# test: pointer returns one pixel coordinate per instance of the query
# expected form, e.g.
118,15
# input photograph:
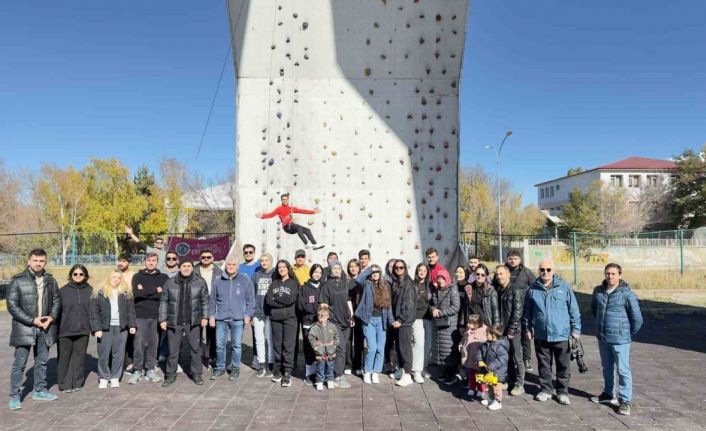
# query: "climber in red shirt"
284,212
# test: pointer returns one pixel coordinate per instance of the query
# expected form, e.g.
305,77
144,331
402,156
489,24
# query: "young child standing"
473,338
323,337
493,356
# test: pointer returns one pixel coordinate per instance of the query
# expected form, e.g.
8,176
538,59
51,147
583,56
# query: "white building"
636,174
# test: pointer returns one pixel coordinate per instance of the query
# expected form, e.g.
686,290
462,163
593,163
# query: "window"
546,192
557,187
616,180
652,180
634,181
551,191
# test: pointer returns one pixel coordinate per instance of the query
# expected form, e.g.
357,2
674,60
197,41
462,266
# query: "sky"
578,83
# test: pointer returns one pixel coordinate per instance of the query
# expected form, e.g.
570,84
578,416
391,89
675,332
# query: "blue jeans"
375,335
236,337
324,370
612,355
41,357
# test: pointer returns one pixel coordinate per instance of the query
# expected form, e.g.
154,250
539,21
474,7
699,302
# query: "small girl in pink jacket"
473,338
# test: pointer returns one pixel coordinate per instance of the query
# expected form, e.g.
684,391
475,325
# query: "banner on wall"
189,248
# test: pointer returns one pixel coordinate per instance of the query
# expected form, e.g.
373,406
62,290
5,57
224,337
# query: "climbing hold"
305,25
367,71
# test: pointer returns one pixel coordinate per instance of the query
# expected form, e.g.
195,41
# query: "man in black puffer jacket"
34,304
512,301
523,278
183,311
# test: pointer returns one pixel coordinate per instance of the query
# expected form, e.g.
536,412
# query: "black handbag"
442,322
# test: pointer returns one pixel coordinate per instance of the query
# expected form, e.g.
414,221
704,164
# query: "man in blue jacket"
618,318
231,307
551,318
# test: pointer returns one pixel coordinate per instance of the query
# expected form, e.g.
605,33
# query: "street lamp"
497,192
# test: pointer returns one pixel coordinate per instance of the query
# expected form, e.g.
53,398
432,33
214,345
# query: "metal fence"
676,257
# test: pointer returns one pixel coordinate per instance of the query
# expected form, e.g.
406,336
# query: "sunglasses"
206,257
78,274
399,267
376,272
480,274
248,252
173,258
547,270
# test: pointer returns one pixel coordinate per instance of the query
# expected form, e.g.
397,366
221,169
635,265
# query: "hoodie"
281,299
308,302
261,282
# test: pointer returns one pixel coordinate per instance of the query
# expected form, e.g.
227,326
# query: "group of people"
358,318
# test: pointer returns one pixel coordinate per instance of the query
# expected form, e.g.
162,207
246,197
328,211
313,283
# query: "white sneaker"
367,378
375,378
542,396
495,406
417,375
102,383
405,380
484,401
319,386
331,384
114,383
179,370
347,372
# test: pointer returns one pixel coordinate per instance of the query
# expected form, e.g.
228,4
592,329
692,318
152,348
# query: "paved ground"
667,365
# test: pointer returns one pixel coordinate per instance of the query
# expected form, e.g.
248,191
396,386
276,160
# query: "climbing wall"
352,107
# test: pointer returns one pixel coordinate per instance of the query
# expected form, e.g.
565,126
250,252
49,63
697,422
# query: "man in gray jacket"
34,304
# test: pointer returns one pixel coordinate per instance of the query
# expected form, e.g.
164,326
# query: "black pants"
354,349
309,354
175,337
526,349
209,350
390,349
284,334
303,232
72,357
559,352
404,348
145,347
340,363
296,343
128,350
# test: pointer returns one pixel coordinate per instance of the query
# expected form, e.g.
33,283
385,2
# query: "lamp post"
497,191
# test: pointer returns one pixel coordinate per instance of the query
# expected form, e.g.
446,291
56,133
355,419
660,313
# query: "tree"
61,193
112,200
689,189
604,208
479,210
175,179
211,199
574,171
9,198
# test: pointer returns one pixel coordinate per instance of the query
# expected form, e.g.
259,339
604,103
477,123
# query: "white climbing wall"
352,107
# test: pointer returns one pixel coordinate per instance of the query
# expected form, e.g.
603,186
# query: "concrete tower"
352,107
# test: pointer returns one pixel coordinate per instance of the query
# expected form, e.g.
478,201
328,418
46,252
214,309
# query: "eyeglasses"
249,252
547,270
78,274
397,268
206,257
480,274
173,258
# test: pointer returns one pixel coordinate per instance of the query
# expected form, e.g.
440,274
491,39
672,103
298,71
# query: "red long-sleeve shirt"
284,212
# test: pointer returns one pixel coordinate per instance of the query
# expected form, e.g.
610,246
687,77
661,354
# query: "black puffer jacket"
464,301
488,308
22,304
512,302
75,309
404,301
521,277
100,312
169,304
443,339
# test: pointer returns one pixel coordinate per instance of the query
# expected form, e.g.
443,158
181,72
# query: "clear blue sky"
579,83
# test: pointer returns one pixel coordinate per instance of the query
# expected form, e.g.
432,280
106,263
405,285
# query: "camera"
577,355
